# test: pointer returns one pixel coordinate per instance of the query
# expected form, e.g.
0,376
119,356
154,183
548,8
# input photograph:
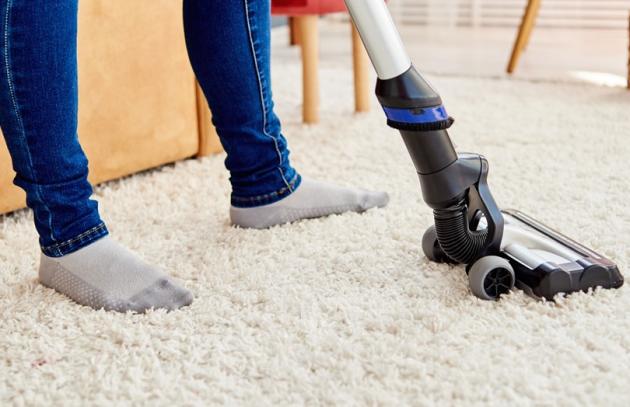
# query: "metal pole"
380,37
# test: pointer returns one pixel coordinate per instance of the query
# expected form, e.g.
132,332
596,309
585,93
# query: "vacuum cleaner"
501,249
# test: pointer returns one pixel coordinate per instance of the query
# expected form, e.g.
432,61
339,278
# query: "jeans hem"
266,199
76,243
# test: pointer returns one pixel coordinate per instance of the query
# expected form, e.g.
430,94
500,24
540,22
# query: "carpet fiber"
346,309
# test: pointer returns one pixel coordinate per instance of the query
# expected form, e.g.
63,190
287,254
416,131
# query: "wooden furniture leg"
307,26
294,34
361,73
208,139
524,33
530,27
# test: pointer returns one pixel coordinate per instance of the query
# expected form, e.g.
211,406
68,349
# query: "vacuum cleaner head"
534,258
547,263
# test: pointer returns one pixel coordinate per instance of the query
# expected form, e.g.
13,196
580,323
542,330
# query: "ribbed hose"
455,237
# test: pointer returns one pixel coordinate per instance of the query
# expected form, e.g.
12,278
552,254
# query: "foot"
312,199
108,276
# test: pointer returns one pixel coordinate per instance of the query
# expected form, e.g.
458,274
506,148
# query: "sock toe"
374,199
184,299
163,294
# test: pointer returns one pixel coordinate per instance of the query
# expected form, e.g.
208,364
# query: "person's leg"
38,116
229,48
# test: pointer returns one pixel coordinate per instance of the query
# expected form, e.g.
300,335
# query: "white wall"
554,13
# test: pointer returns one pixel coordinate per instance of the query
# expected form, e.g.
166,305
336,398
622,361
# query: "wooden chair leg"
524,33
530,27
307,26
294,34
208,138
361,73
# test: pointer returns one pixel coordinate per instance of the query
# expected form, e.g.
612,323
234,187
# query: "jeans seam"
262,97
269,195
18,116
79,237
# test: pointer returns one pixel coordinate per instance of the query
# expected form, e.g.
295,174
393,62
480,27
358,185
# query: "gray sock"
312,199
107,275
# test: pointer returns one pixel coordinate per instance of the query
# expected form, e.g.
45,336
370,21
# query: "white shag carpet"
345,310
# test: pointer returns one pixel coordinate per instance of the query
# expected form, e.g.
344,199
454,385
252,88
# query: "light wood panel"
138,106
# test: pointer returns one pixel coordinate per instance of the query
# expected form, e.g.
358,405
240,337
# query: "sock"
312,199
107,275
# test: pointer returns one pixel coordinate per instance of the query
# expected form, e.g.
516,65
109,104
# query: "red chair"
304,15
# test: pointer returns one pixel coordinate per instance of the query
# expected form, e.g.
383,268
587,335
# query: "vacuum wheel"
490,277
431,247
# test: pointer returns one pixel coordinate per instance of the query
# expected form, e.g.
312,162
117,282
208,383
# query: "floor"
345,310
597,56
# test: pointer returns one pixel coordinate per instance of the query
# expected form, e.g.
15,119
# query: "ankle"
77,242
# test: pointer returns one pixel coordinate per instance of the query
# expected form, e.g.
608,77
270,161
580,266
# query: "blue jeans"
228,45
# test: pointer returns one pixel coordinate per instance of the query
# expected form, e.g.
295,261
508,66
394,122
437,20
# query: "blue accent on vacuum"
416,115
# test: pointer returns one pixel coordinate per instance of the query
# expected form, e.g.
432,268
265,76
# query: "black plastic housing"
430,151
409,90
453,185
